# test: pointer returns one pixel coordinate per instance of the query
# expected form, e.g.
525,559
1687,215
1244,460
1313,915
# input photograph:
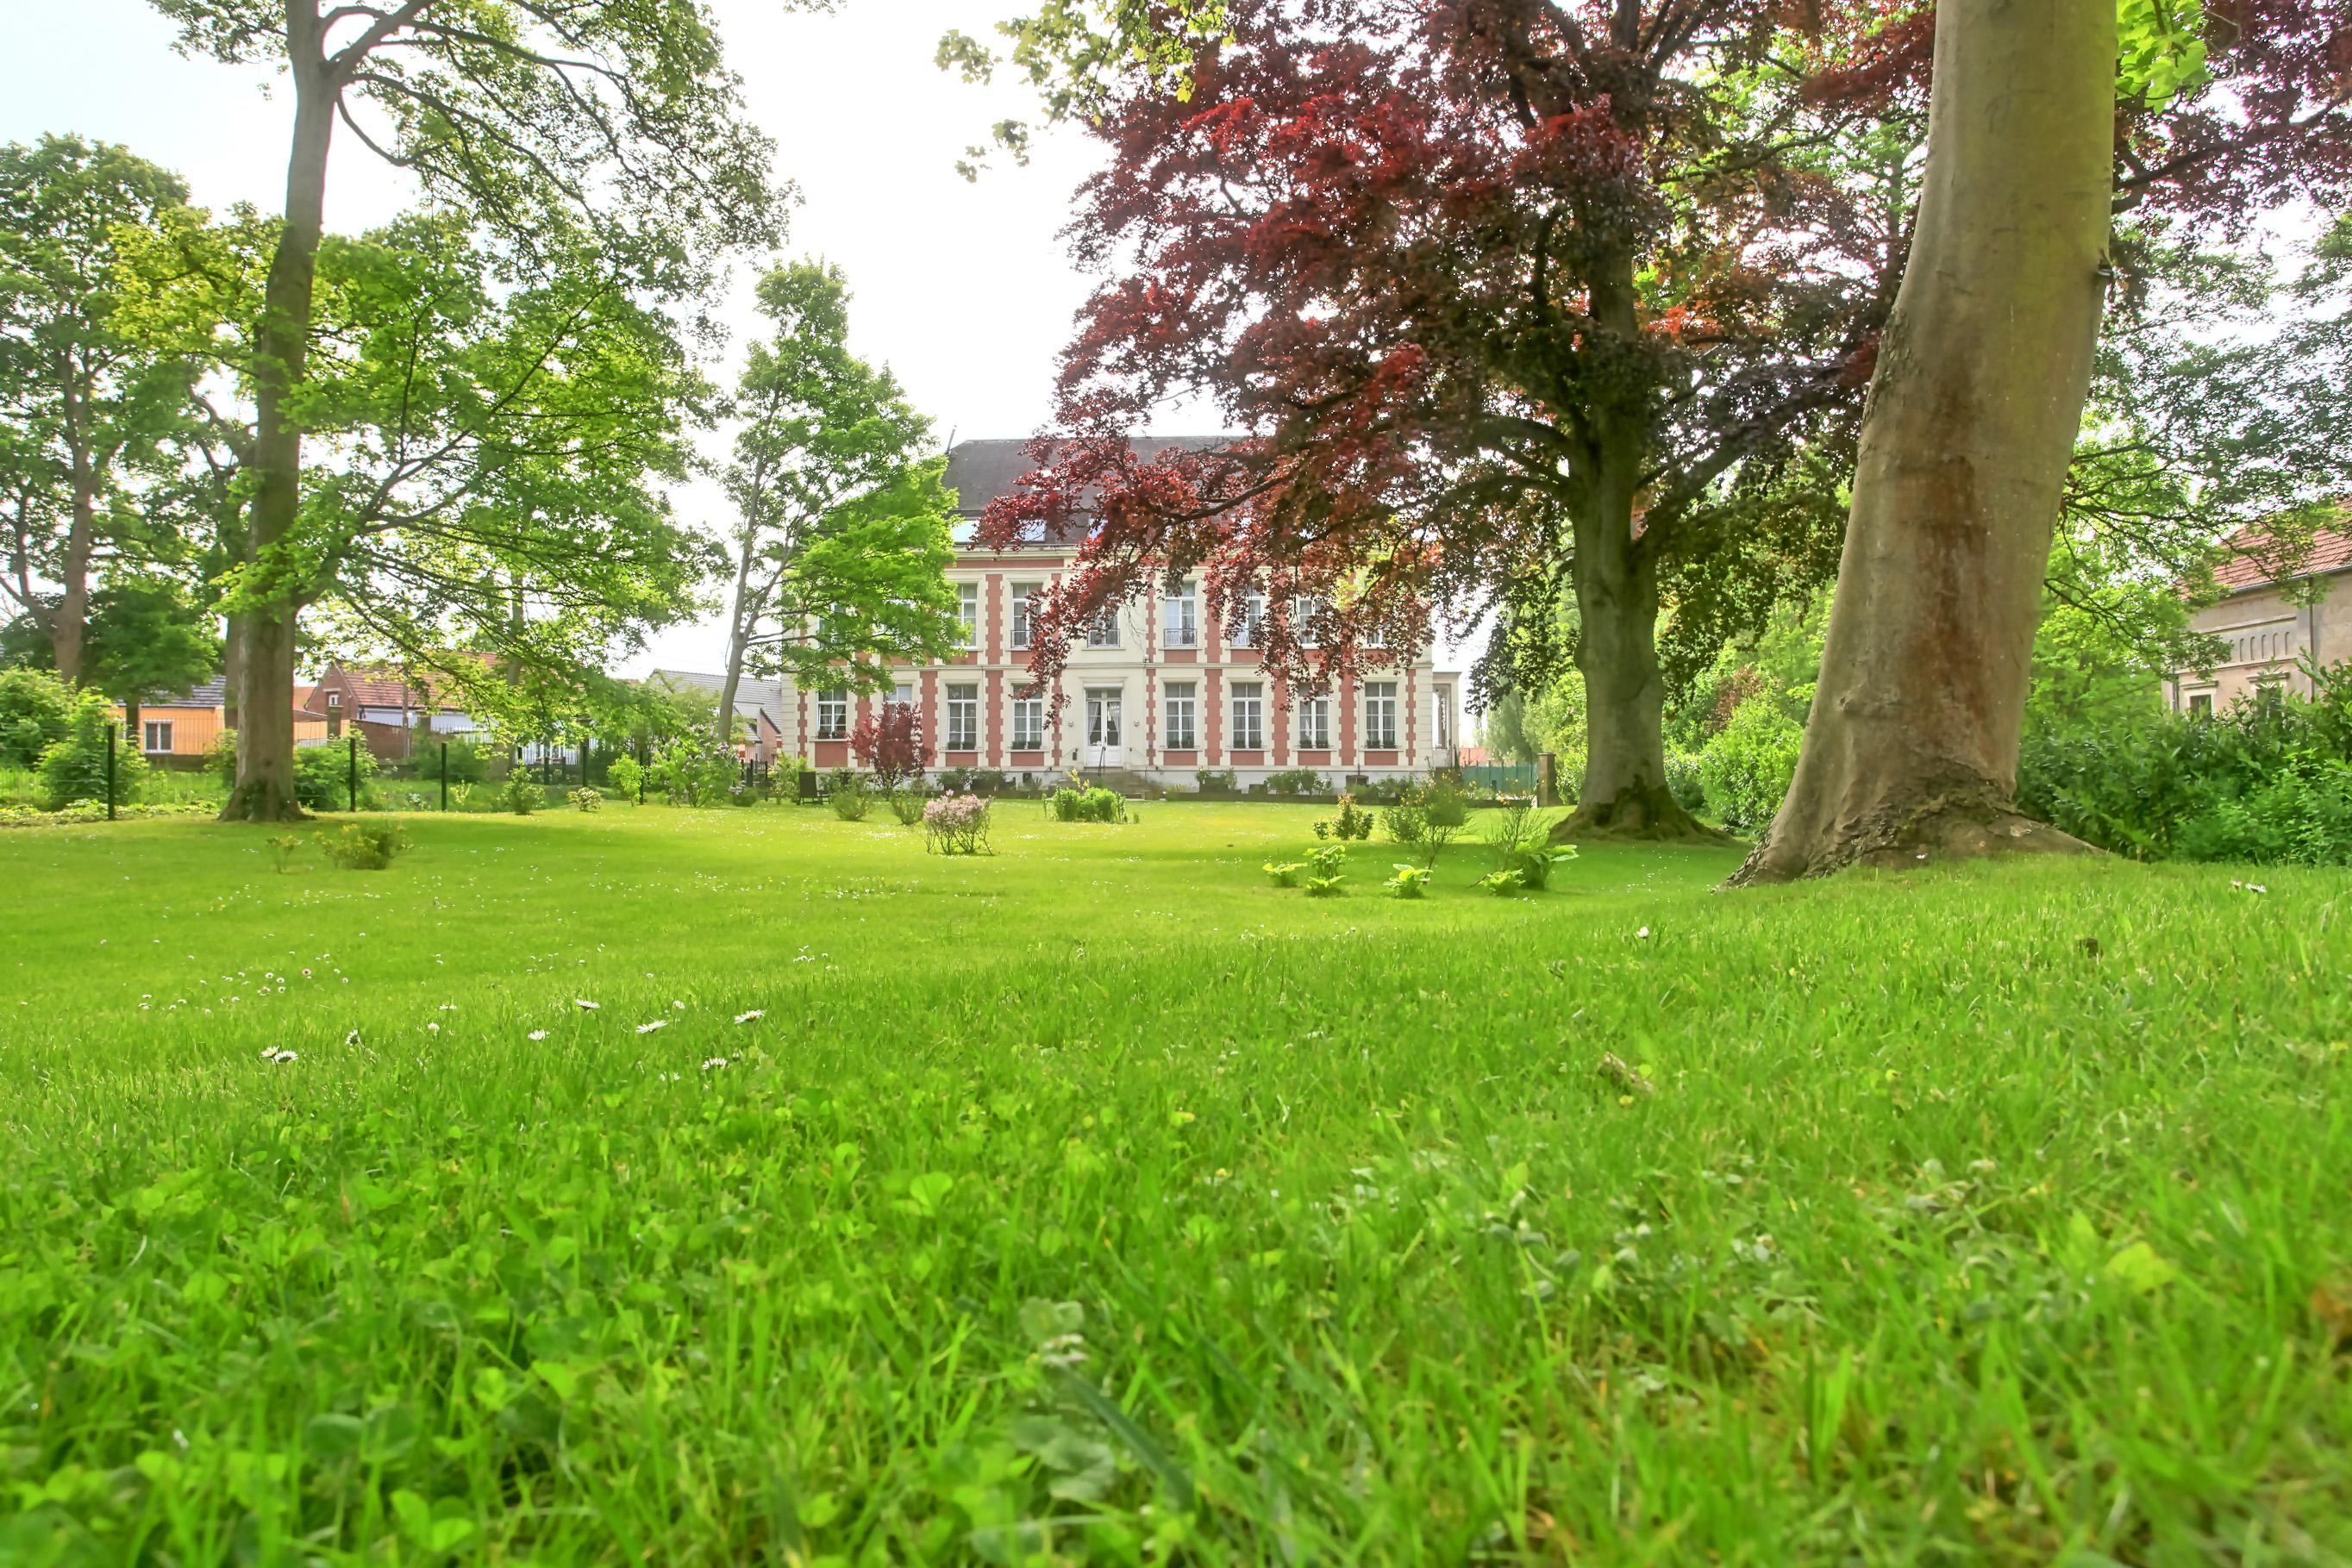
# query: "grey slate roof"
752,696
210,695
980,470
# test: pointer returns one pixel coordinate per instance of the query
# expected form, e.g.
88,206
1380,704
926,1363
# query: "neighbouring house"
183,724
2270,637
1157,691
386,706
759,710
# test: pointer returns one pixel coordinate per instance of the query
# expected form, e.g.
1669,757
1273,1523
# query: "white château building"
1157,691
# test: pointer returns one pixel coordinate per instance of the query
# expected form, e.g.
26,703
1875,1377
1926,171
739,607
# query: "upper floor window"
1304,609
833,715
963,718
1380,715
1103,631
2200,704
968,614
1251,627
1022,594
1180,619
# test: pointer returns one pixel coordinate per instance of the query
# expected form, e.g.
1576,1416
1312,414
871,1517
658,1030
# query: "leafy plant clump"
956,825
1326,886
323,775
36,710
73,766
365,846
587,798
1095,804
848,796
283,849
1409,881
907,806
1294,781
1351,824
1284,874
1502,883
520,795
1328,859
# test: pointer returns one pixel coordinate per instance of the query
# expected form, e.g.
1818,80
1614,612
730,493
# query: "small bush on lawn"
976,780
587,798
692,771
955,825
1094,805
848,796
1217,781
365,846
1502,883
1293,781
1515,834
627,775
282,850
323,775
1326,886
1352,822
74,767
907,806
1407,821
1286,873
521,796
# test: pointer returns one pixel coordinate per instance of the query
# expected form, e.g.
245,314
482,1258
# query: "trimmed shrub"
1293,781
520,795
322,775
34,708
955,825
1093,805
1744,771
365,846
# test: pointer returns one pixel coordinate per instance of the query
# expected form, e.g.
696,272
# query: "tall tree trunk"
1911,751
739,635
264,752
69,631
1625,793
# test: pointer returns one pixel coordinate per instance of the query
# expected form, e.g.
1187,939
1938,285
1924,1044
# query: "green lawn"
1098,1201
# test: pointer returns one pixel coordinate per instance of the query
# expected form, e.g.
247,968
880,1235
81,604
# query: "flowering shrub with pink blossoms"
955,825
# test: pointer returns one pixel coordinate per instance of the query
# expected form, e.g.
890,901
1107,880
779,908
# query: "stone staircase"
1126,780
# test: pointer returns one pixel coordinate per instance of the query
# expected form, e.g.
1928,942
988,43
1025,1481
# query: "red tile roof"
2254,561
383,686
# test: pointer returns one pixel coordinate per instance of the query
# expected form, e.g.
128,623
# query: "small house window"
1103,633
1252,624
2200,704
158,734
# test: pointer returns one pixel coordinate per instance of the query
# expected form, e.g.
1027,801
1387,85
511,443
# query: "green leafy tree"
148,634
74,766
609,129
34,708
840,540
82,402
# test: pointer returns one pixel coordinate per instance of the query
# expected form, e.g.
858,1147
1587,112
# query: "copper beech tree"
1510,299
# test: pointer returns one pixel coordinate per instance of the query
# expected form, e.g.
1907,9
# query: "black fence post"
109,773
352,781
445,774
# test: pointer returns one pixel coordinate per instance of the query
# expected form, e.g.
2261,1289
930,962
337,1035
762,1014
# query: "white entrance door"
1103,745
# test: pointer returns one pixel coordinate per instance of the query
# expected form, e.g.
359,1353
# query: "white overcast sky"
965,290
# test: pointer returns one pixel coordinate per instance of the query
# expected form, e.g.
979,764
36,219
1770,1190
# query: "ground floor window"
1315,724
2201,703
963,718
1249,715
158,736
1380,715
1029,724
1180,717
833,715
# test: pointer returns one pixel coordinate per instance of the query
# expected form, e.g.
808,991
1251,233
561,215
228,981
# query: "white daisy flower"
539,1034
714,1063
584,1004
649,1028
1643,935
754,1013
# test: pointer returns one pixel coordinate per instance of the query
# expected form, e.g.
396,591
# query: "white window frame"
1445,718
1304,608
968,612
1180,619
963,718
833,714
1023,592
1315,723
1184,716
1252,625
1249,717
1102,632
1380,710
1028,724
151,727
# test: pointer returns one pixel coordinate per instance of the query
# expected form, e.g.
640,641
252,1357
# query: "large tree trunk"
1625,793
265,751
1911,751
69,630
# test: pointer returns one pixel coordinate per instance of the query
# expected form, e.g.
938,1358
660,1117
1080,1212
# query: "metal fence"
1502,777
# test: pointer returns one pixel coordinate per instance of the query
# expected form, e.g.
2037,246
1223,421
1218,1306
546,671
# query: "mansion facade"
2271,634
1156,690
